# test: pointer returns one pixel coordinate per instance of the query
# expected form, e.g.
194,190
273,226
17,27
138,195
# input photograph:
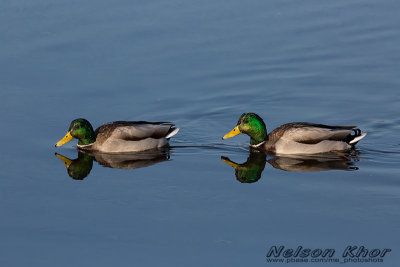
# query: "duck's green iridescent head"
252,125
80,129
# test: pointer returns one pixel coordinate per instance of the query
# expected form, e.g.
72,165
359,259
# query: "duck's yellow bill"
68,137
66,160
232,133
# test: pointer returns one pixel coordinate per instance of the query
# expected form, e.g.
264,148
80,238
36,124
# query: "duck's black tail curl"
353,139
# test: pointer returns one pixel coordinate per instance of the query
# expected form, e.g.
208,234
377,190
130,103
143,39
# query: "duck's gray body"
310,138
131,136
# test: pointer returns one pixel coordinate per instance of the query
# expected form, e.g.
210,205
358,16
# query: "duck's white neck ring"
258,145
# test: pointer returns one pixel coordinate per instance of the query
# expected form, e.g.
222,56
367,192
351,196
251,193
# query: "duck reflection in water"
80,167
251,170
77,168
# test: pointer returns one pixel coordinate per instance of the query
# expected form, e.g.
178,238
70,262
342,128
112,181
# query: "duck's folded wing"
308,133
133,131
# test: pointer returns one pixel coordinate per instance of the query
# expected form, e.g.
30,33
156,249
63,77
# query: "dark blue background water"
200,64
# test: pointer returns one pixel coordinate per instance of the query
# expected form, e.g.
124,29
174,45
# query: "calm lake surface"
200,64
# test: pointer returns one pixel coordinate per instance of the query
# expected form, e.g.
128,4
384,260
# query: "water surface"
200,64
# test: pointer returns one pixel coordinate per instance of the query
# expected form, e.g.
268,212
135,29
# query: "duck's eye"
245,120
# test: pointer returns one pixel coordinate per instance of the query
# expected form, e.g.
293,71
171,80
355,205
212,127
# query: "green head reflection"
78,168
251,170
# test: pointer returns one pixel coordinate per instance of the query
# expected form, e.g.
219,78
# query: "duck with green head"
119,136
296,137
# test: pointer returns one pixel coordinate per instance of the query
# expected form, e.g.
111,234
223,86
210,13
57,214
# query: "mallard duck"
119,136
296,137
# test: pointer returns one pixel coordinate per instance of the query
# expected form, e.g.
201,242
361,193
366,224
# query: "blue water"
200,64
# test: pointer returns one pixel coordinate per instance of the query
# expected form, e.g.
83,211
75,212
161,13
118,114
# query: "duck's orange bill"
232,133
68,137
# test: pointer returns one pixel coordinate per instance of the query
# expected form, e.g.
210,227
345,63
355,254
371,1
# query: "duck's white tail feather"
358,138
174,132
